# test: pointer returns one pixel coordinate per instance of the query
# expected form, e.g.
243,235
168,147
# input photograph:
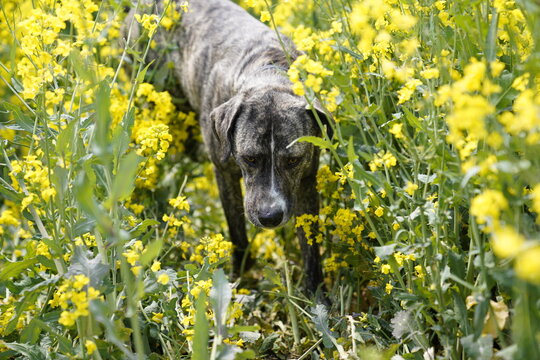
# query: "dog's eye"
251,160
293,161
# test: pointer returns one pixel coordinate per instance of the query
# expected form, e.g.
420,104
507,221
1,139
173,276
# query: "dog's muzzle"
271,216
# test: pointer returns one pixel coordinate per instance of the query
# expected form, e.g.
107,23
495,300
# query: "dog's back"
221,46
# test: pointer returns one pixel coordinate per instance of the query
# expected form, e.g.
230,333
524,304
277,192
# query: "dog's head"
259,130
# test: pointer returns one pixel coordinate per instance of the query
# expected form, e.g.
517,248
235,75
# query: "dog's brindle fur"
232,70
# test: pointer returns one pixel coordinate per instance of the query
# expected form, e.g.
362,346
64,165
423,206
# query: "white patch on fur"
277,198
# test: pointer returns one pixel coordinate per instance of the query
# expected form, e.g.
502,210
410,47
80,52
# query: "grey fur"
231,69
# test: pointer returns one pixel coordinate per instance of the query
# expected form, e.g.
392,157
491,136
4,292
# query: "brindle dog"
232,69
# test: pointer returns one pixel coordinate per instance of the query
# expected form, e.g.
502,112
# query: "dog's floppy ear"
325,118
223,119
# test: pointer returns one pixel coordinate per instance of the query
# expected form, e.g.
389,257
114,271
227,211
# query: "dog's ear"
223,120
325,118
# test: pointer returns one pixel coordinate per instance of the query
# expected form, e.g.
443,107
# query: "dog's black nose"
271,217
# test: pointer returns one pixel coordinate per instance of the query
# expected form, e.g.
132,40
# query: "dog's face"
262,138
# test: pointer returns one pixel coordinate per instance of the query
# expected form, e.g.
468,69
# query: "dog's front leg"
230,194
308,203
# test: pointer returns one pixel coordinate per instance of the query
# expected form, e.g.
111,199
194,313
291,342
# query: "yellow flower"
396,226
67,318
156,266
397,131
163,279
157,317
528,265
346,173
330,98
385,269
520,83
203,285
536,200
488,205
496,68
136,270
149,22
432,73
80,281
387,159
399,257
379,212
506,242
131,256
410,188
153,141
419,271
90,347
179,203
214,247
298,88
388,288
405,93
265,16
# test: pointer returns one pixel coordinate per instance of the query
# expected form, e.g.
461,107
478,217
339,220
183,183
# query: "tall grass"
113,244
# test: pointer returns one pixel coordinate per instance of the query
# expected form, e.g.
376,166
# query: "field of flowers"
113,244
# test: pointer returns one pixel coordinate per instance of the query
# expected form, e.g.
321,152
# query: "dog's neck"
273,67
266,76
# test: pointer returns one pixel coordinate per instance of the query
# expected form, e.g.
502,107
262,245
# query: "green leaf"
317,141
413,120
9,193
30,334
384,251
239,328
320,319
23,121
20,307
220,298
101,144
65,345
141,228
94,269
83,226
268,343
351,155
64,141
142,74
81,68
271,275
152,251
84,193
124,181
101,314
200,337
245,355
33,352
227,352
12,269
350,52
480,349
491,50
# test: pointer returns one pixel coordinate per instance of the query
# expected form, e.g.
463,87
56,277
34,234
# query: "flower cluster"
32,178
213,248
133,255
73,297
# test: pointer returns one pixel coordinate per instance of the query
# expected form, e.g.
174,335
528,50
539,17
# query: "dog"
232,70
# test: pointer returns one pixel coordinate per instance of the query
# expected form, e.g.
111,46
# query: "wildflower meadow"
113,243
